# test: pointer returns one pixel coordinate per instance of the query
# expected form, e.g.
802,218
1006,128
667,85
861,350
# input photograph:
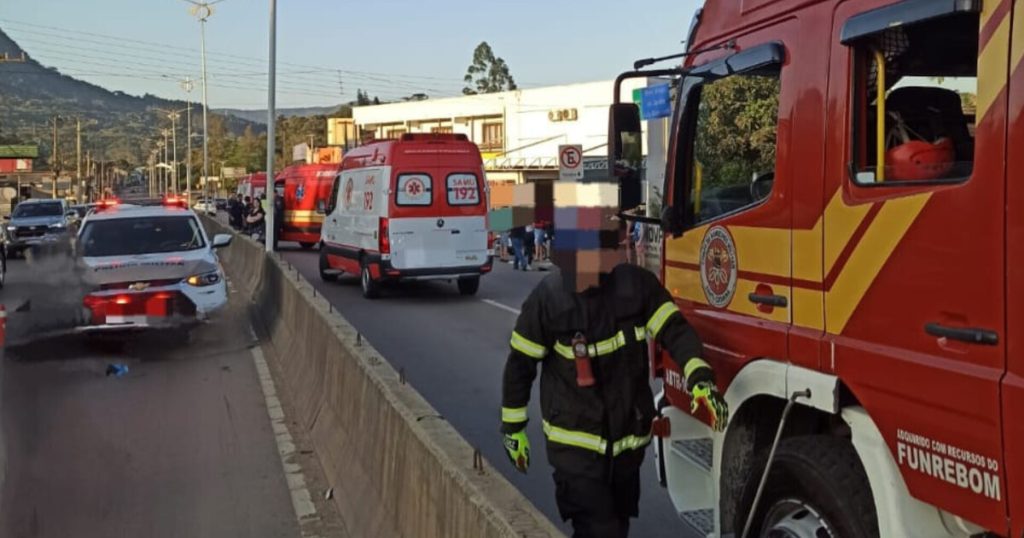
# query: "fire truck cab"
844,228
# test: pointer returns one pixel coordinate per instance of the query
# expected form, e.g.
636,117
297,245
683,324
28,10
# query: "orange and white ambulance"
414,208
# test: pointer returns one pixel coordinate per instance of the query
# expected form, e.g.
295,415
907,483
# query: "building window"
443,129
493,136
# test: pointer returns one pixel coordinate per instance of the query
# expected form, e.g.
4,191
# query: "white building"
519,131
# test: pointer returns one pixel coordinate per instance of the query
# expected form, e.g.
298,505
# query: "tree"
487,73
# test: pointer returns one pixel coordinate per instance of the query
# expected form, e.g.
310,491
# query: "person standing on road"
586,325
518,236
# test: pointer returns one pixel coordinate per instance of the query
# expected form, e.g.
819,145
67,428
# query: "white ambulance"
414,208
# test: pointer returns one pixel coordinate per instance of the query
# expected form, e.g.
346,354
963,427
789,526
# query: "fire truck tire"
306,245
371,288
816,487
469,285
325,267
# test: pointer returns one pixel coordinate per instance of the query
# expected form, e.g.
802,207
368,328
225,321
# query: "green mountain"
260,116
115,126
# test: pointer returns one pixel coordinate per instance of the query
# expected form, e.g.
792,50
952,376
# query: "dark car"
221,203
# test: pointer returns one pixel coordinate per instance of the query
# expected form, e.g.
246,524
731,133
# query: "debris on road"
117,370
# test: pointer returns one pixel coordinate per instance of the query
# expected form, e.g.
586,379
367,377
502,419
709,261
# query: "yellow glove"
705,394
517,446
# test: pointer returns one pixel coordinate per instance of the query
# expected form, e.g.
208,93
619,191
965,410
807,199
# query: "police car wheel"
371,289
817,488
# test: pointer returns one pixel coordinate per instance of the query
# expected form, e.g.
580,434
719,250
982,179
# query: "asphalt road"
180,446
453,350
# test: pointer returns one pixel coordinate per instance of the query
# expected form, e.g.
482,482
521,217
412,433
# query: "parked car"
221,203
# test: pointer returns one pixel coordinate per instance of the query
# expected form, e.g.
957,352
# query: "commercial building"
519,131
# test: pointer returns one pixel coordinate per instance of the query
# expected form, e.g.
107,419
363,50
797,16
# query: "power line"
234,57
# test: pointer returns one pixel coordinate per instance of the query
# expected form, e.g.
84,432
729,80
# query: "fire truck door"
1013,383
731,270
914,294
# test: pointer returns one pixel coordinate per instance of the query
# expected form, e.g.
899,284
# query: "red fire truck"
253,185
306,189
844,228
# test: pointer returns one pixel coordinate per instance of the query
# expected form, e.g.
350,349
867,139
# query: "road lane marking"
501,306
302,502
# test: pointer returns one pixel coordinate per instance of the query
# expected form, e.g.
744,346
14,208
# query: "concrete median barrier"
398,468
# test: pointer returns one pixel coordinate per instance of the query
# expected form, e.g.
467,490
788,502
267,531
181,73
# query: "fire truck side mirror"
625,152
671,221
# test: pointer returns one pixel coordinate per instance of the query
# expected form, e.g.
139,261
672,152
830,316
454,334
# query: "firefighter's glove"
517,446
705,394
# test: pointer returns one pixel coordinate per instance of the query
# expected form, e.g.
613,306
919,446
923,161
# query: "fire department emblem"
718,268
300,192
349,187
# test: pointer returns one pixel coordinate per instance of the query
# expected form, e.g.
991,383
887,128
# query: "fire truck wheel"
371,288
468,286
816,488
325,267
306,245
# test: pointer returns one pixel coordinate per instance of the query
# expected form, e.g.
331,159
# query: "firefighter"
586,326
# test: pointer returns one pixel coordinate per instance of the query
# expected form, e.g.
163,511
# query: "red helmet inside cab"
909,158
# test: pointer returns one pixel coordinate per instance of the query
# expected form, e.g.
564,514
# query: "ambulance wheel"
468,286
817,488
325,267
371,288
306,245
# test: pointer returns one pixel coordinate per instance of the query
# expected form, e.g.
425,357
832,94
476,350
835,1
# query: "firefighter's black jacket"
585,426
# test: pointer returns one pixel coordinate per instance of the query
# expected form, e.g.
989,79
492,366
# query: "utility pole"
268,239
78,160
188,86
174,152
163,188
203,11
54,163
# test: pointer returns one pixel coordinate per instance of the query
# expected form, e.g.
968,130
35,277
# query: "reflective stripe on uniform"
596,443
577,439
659,318
527,347
693,365
604,347
630,442
513,414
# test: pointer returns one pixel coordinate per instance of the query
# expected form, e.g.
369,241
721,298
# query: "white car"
206,205
149,267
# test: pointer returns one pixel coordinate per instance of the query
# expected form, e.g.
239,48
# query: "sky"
328,49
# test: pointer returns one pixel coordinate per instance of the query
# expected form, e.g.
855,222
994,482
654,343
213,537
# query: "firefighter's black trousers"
599,508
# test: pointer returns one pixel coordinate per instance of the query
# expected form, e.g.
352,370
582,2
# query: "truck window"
734,143
914,95
463,189
414,190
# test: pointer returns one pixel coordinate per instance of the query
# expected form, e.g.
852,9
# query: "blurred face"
587,232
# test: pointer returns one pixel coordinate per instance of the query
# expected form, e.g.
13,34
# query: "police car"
149,267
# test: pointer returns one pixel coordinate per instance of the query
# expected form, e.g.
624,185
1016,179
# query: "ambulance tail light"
383,236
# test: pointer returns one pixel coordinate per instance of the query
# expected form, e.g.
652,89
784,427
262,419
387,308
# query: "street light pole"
187,86
271,118
174,151
203,11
